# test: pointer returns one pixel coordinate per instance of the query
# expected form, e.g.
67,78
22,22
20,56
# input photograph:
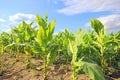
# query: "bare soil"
13,68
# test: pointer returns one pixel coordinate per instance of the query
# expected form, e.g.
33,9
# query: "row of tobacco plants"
88,51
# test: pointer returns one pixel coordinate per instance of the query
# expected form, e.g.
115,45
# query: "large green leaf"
79,37
51,57
97,26
41,36
21,26
27,36
50,29
91,69
73,49
41,22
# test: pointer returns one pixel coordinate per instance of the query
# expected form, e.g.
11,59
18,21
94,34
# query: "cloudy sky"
71,14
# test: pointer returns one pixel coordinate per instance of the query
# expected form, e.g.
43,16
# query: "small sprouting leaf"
17,40
35,50
27,53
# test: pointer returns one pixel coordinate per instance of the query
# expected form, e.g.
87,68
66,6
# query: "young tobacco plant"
44,38
27,58
81,63
4,41
105,44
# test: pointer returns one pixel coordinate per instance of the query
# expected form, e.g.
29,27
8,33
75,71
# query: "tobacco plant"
82,63
21,36
115,59
104,44
5,39
44,38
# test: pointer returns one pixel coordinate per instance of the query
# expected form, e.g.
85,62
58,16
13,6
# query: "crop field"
31,52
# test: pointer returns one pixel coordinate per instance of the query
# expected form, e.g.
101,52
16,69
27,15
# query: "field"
15,69
35,53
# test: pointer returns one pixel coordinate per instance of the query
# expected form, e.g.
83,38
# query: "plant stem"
45,67
103,62
74,77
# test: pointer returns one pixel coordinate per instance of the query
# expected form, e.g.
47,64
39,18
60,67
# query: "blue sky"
71,14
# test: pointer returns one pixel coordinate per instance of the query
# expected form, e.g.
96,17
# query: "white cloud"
2,20
111,22
4,27
81,6
15,20
21,16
